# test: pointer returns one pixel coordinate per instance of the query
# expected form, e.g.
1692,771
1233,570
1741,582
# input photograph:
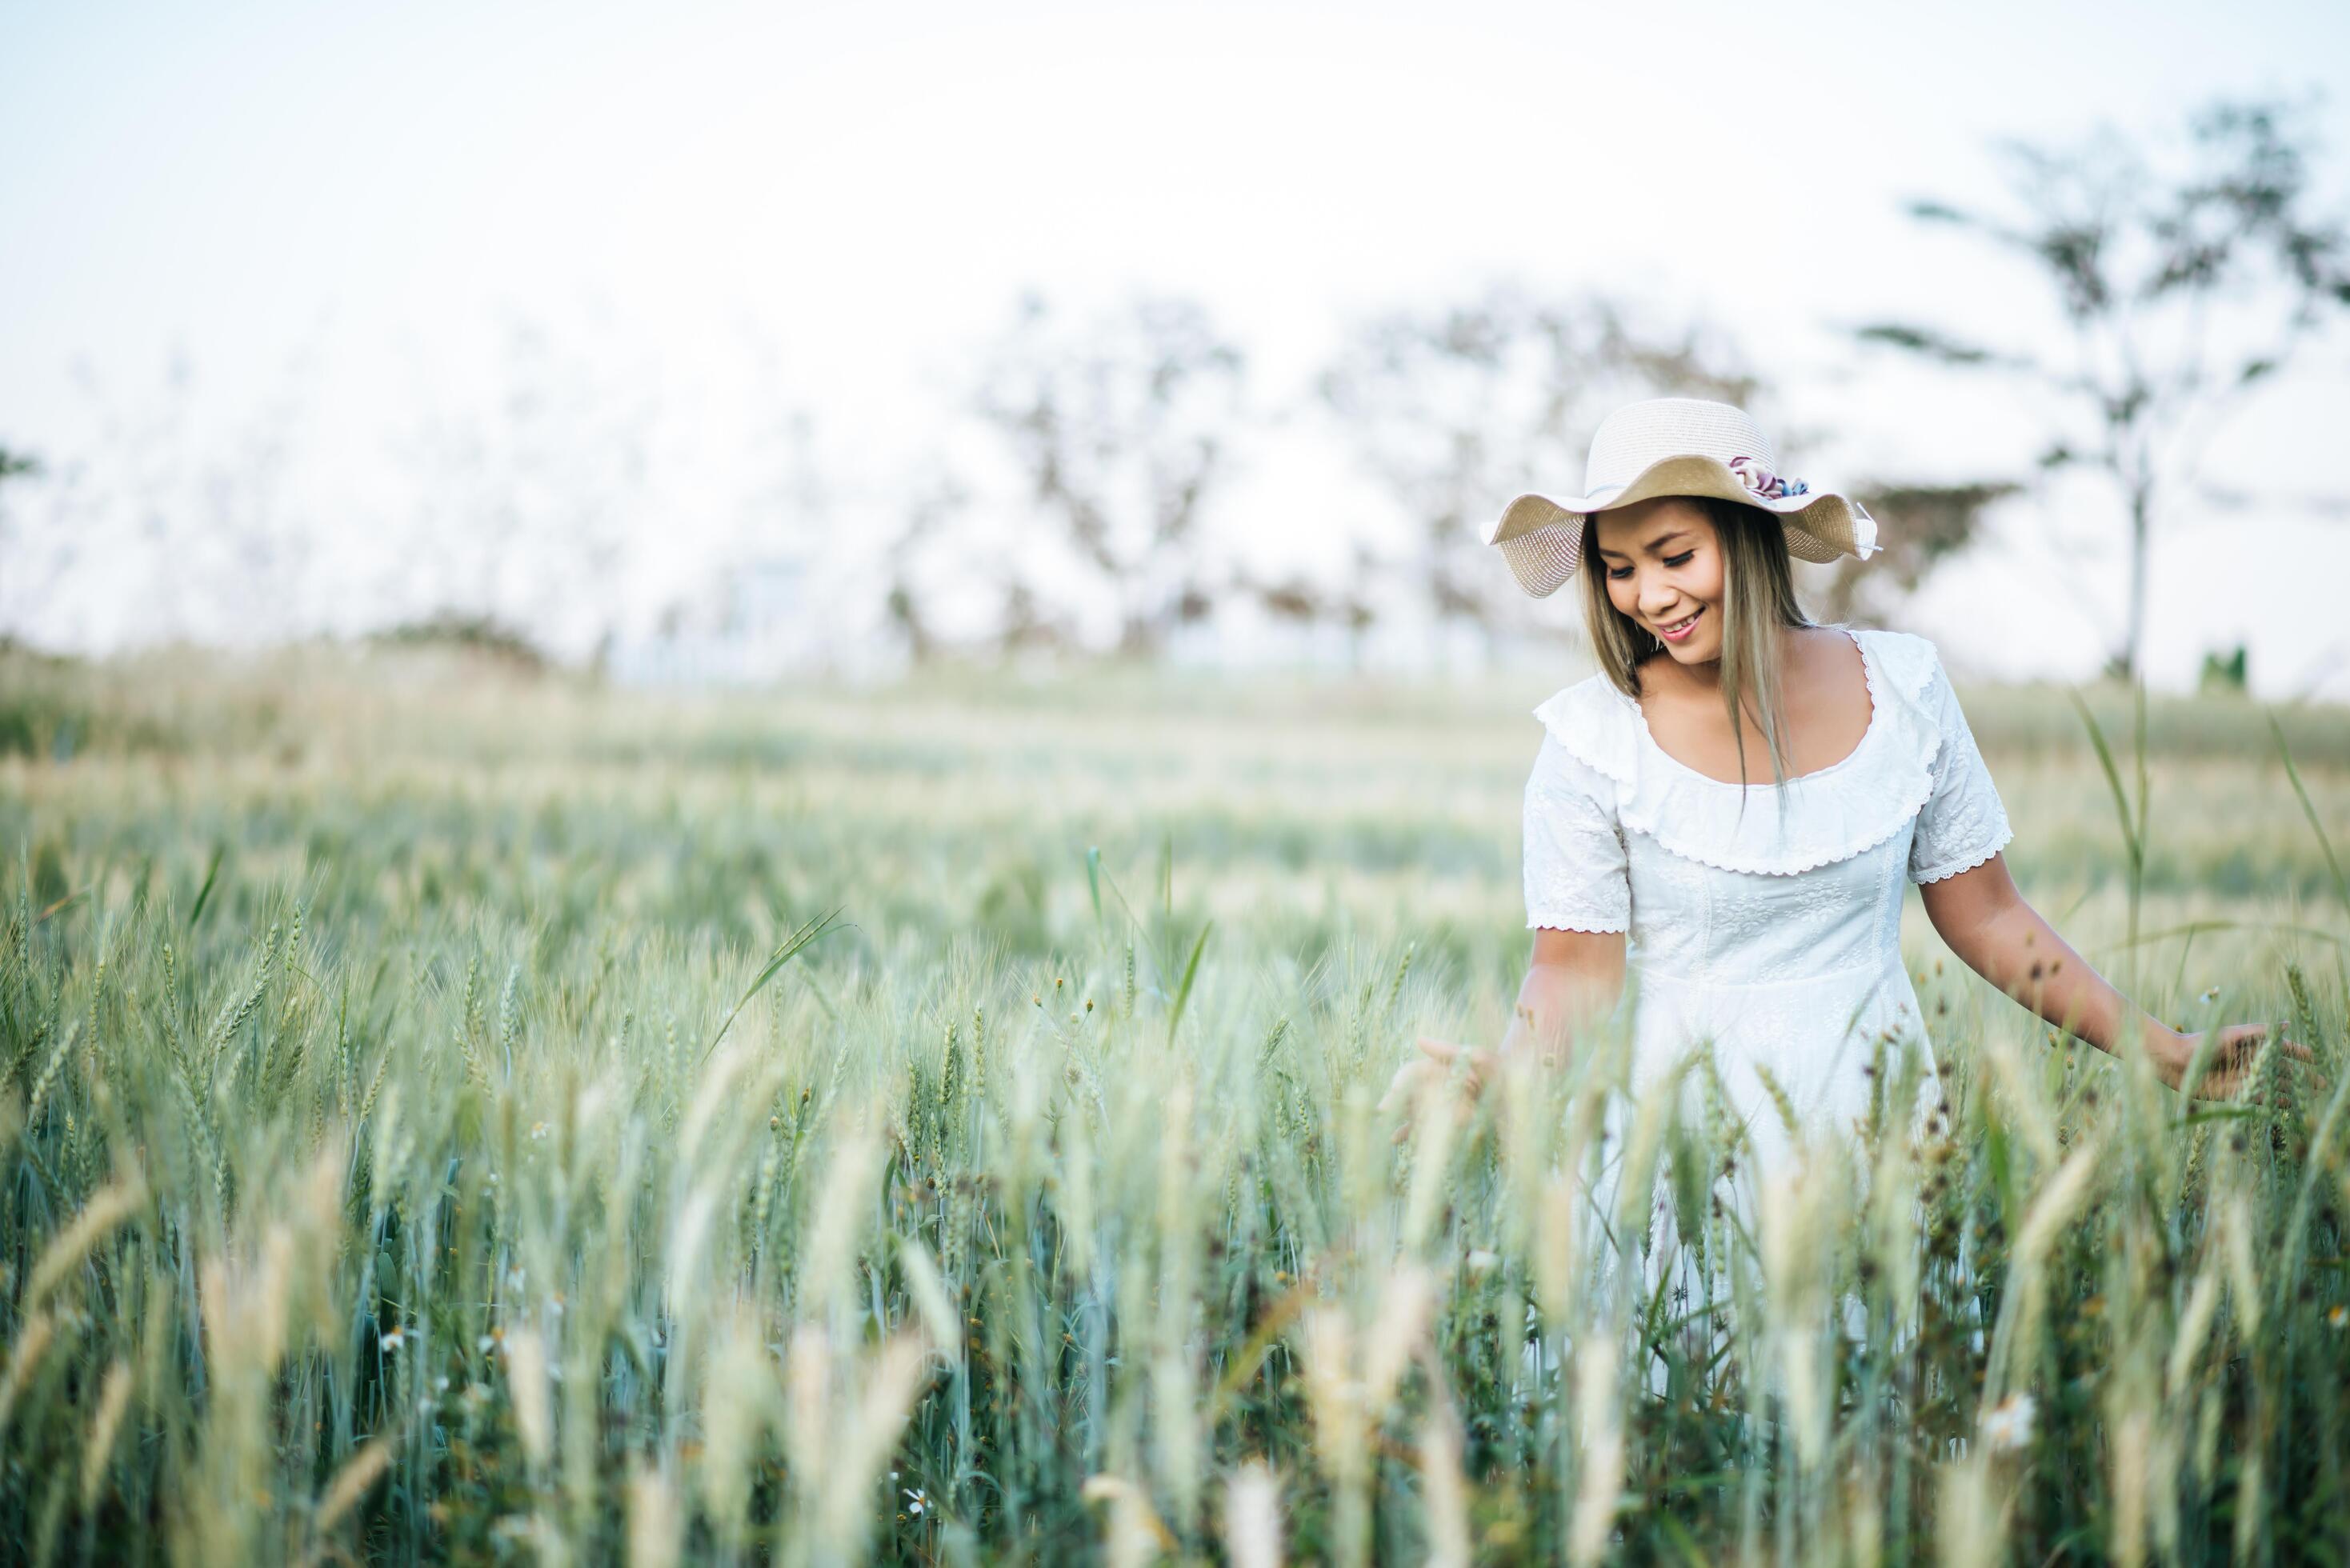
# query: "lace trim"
1950,869
1845,809
1593,928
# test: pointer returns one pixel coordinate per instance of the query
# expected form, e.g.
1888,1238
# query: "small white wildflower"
483,1344
916,1501
893,1478
1481,1261
392,1341
2211,996
2008,1426
538,1132
441,1384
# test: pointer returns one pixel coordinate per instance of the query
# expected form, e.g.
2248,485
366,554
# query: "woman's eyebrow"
1661,540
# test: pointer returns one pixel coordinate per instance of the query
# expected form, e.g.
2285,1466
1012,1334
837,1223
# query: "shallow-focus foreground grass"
395,1170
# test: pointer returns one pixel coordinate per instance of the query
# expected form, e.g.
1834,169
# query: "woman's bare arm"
1573,978
1987,922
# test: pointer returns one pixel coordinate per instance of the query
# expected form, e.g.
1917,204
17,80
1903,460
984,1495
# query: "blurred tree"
1299,600
2227,672
164,526
2185,289
1457,410
15,568
528,502
906,615
912,563
1918,527
1122,431
476,635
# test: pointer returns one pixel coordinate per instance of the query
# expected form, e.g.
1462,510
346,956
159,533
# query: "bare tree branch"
2141,265
1124,431
1458,409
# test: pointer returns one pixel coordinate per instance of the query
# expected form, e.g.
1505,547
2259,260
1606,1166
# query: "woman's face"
1663,562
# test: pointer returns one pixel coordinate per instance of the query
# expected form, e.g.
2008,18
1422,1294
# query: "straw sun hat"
1676,446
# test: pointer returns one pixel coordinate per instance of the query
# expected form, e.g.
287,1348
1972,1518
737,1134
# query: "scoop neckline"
1876,718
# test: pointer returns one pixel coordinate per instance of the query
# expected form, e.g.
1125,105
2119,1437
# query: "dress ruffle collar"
1840,811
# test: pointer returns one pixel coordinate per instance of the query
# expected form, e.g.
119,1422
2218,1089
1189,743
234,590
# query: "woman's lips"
1681,630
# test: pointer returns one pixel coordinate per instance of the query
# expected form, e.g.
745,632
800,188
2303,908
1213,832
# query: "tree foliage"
1459,408
1920,526
1123,432
2184,287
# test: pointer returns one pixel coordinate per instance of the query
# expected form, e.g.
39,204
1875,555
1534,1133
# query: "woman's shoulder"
1910,663
1592,723
1906,670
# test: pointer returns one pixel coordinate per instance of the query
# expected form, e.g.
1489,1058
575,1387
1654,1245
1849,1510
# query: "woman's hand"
1433,1066
1572,978
2233,1054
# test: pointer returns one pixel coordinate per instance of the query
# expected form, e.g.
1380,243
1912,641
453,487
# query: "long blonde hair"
1758,599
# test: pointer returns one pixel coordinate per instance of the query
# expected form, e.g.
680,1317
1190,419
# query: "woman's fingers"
1451,1054
1403,1091
1434,1065
1405,1085
2232,1072
2243,1045
1480,1058
2252,1036
2239,1045
2230,1055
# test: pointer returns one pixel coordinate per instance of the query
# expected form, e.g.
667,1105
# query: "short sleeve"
1574,863
1962,823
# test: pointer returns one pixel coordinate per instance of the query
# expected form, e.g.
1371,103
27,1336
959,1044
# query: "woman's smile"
1674,631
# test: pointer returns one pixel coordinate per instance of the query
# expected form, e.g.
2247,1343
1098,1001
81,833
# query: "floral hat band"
1677,446
1757,477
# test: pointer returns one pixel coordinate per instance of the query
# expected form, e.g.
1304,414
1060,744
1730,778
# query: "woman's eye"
1681,560
1620,573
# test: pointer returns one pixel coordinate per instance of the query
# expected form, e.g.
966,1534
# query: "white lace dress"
1772,935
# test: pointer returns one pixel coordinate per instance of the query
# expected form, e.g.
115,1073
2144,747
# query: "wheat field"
453,1114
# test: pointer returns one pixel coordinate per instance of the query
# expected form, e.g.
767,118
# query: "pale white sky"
330,217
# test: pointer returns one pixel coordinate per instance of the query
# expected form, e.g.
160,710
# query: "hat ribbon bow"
1765,483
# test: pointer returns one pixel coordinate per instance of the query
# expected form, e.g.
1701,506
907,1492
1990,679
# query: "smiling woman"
1754,928
1707,579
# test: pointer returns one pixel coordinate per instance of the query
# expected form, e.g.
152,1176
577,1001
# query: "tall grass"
411,1192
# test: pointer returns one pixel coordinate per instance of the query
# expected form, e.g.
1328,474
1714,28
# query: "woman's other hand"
1572,978
1433,1066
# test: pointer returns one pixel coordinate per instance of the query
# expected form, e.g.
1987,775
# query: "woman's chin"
1693,650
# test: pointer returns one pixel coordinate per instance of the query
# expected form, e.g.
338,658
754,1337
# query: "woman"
1725,814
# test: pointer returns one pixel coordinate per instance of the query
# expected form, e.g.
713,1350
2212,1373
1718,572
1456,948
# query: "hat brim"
1542,536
